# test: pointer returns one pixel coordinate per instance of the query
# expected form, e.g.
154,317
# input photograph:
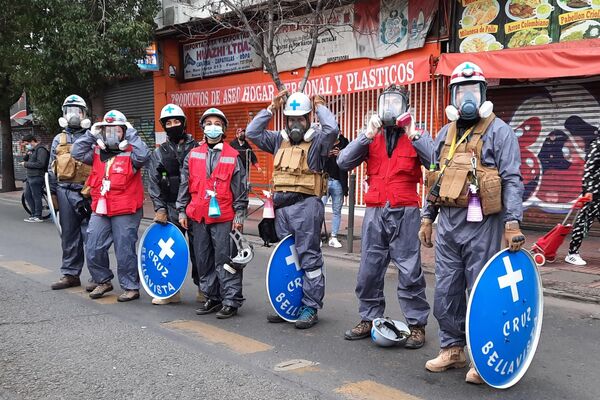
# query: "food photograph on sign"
528,23
478,27
578,20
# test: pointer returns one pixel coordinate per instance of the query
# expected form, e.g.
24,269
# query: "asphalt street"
63,345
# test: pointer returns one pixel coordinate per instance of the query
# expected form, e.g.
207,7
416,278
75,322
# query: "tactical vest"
393,179
169,187
456,177
65,167
292,174
219,181
126,194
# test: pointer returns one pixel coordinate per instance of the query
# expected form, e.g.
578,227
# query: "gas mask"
112,137
393,102
296,130
468,102
74,117
213,132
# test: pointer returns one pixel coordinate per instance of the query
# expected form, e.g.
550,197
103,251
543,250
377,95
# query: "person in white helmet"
164,170
476,154
68,185
117,154
212,194
301,151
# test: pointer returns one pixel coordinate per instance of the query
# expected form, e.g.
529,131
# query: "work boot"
101,289
361,331
66,281
275,319
200,297
91,286
210,306
308,317
176,298
416,340
473,376
226,312
450,357
128,295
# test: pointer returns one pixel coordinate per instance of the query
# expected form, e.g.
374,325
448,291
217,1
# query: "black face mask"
175,133
392,134
242,137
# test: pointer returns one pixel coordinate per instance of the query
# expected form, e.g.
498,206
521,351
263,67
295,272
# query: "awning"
577,58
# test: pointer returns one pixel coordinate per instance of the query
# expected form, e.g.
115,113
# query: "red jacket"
394,178
126,194
219,181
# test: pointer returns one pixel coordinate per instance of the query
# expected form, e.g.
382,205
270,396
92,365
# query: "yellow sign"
576,16
463,33
526,24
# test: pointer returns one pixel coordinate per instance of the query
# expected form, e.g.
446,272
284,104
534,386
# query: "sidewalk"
559,278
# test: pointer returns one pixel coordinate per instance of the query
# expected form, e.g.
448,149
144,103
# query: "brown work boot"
176,298
362,330
91,286
450,357
473,376
416,340
100,290
66,281
128,295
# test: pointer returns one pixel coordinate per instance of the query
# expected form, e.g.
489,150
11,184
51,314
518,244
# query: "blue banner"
284,280
504,318
163,259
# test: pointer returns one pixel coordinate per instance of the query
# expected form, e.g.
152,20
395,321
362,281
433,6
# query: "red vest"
126,194
219,181
394,178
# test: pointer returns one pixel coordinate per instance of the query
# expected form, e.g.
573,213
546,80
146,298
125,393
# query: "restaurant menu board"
578,19
528,23
478,27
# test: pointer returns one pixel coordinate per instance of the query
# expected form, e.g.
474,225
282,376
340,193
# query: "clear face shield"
467,98
74,115
112,135
390,106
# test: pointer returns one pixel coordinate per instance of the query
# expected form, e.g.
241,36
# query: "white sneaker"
333,242
176,298
575,259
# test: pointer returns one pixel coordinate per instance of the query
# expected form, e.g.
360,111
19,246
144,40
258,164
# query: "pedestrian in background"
337,188
35,162
245,150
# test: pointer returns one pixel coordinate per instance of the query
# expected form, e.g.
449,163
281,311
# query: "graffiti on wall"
555,128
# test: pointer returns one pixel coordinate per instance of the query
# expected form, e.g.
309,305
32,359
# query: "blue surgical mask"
213,131
29,146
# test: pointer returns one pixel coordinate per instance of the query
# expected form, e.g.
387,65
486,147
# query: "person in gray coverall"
74,208
464,244
116,154
212,193
391,222
299,185
164,171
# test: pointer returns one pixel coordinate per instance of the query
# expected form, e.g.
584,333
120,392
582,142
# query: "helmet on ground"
392,103
171,111
468,89
386,332
297,104
214,112
74,111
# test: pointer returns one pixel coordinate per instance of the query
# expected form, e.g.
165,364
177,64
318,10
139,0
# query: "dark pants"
33,194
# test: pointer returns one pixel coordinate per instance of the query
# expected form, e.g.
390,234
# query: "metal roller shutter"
555,124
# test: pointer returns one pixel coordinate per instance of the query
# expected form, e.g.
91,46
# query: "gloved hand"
426,232
317,100
513,237
183,222
373,126
161,216
96,130
278,100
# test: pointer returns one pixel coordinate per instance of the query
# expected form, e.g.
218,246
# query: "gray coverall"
73,221
462,248
156,167
212,244
304,215
122,230
387,233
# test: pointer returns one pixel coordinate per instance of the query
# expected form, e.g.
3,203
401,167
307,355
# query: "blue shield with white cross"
284,280
504,318
163,259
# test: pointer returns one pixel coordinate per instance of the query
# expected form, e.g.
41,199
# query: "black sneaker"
362,330
226,312
275,319
209,307
308,317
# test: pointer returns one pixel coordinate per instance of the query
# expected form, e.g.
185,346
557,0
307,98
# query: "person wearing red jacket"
116,154
391,222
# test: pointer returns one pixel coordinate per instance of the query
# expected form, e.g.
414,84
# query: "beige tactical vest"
292,174
65,167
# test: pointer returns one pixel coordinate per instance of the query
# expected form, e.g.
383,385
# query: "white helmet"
297,104
74,111
109,137
171,111
114,117
214,112
468,89
386,332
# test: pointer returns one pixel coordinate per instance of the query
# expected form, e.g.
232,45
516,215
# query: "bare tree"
264,20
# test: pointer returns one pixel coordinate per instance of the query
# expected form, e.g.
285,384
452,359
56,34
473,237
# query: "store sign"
150,62
377,77
219,56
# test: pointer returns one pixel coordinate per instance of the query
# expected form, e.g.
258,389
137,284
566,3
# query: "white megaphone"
269,209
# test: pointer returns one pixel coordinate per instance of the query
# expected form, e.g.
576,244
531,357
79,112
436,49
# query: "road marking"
296,366
237,343
372,390
23,267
